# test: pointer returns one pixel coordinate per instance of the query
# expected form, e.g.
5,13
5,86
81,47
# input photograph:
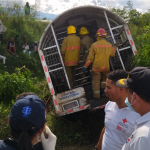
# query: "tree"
129,5
44,18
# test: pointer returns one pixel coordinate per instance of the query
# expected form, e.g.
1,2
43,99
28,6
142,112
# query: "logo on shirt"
124,120
26,111
119,128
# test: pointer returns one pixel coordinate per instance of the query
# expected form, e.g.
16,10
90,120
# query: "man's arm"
99,144
90,57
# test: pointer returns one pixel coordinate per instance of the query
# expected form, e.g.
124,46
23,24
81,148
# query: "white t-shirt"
119,125
2,27
26,47
140,138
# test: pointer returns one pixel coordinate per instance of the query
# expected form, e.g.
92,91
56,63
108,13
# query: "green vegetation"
32,79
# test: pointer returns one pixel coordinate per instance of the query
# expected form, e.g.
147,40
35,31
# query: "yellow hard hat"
83,31
71,29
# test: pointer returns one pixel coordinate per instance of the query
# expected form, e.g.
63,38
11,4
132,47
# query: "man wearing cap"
27,121
138,100
119,119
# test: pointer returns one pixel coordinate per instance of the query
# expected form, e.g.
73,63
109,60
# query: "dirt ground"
93,123
76,147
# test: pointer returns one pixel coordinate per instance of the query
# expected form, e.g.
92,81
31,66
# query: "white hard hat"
35,42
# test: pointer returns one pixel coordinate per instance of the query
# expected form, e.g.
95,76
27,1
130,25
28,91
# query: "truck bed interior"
92,18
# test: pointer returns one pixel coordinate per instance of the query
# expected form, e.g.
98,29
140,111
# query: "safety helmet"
83,31
71,29
101,32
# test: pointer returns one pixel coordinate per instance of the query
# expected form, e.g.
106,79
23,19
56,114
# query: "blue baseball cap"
31,109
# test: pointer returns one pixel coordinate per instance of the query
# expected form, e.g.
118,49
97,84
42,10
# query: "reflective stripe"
131,42
102,46
114,49
42,58
69,111
87,63
96,91
71,63
128,32
72,47
55,101
45,68
82,107
101,67
52,91
100,70
86,51
49,81
103,82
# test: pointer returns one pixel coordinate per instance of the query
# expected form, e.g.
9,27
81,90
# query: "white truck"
65,99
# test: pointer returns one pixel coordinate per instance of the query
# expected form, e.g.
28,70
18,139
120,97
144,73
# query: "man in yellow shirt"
99,54
70,51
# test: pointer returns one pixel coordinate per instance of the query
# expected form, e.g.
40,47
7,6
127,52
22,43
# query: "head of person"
25,43
27,3
101,33
138,85
113,92
12,39
35,43
71,30
27,120
83,32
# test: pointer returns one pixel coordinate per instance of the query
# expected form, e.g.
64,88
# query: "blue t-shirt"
4,146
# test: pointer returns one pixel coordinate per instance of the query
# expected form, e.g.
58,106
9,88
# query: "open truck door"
65,99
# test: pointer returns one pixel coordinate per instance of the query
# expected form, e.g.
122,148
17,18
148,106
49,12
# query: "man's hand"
84,70
49,142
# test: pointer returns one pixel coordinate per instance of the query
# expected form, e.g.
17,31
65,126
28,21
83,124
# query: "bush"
143,55
14,84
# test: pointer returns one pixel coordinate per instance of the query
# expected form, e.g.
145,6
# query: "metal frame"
60,57
130,39
114,39
48,78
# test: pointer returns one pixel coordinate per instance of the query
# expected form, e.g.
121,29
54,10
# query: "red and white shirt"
119,125
140,138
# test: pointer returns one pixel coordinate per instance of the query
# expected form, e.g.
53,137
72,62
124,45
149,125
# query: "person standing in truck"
86,42
99,54
70,51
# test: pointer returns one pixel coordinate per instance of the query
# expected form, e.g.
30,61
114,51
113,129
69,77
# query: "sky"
59,6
